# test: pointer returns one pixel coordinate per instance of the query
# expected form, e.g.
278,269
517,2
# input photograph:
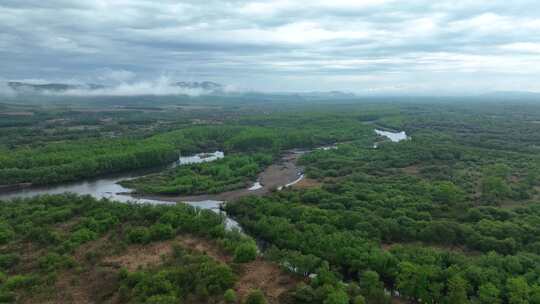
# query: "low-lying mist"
161,86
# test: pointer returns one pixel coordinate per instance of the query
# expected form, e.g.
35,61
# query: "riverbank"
277,175
14,187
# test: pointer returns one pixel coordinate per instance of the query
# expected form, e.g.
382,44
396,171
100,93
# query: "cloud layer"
417,46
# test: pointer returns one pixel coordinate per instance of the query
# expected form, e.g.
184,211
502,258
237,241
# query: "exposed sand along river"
283,173
276,176
280,174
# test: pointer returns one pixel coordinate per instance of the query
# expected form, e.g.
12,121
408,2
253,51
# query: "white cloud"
161,86
259,43
116,76
526,47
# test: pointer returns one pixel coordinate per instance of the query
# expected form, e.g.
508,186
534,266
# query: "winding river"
282,174
108,187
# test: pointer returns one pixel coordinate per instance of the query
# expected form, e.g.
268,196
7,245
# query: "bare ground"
274,176
141,256
306,183
98,282
266,276
411,170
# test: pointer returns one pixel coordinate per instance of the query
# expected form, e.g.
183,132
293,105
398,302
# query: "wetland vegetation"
451,215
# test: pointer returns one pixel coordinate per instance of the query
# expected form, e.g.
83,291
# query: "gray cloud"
418,46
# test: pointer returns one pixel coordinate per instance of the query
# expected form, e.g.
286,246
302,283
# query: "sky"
363,46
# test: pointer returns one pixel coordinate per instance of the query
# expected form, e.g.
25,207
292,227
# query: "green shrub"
83,235
53,261
162,299
8,260
230,296
43,236
245,252
337,297
255,297
6,233
149,285
138,235
19,281
359,300
102,225
160,232
7,296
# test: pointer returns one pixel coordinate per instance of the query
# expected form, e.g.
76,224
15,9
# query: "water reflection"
393,136
256,186
198,158
216,206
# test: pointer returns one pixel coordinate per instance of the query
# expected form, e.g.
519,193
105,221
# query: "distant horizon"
168,88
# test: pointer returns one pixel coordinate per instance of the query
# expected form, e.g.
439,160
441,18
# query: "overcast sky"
364,46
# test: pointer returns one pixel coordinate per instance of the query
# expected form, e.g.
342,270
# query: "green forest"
451,215
48,238
232,172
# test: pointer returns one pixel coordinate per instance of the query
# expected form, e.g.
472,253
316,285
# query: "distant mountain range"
204,85
25,87
514,94
54,87
217,89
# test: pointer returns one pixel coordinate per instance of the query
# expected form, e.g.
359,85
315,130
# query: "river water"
108,187
393,136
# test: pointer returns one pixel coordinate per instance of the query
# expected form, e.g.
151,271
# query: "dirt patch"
29,254
67,225
266,276
411,170
138,256
306,183
98,282
98,285
450,248
92,282
259,274
281,173
68,291
509,204
207,247
276,175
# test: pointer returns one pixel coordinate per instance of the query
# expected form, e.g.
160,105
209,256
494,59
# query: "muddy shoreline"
273,177
14,187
